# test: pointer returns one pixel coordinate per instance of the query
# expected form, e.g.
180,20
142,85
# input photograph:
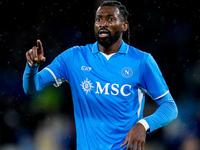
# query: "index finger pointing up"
39,44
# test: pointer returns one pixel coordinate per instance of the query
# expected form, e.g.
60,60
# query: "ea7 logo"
84,68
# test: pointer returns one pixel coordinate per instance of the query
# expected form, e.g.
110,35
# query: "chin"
105,43
108,41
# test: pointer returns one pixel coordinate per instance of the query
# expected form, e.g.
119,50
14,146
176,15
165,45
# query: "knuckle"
34,48
27,54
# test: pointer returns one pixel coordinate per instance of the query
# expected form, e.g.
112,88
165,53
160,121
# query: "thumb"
43,59
125,142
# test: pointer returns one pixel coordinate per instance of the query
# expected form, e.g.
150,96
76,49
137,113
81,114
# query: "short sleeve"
153,81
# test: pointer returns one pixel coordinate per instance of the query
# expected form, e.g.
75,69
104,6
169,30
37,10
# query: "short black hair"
117,4
124,13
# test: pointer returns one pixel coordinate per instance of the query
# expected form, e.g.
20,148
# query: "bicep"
153,81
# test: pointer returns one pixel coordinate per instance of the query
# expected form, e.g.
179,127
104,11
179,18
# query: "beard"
106,42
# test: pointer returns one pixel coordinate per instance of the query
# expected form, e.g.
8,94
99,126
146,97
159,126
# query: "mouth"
103,33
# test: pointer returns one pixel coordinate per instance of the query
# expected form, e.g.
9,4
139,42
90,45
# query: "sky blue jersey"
108,91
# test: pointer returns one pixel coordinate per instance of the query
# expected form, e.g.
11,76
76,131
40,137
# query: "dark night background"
169,30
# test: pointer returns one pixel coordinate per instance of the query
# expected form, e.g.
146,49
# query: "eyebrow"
103,15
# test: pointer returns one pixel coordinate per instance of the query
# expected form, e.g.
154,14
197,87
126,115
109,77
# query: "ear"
125,25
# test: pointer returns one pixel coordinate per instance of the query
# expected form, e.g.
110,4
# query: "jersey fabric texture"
108,91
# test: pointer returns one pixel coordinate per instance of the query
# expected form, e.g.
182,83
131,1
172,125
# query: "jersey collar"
123,49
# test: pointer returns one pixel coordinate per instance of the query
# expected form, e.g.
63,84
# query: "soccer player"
108,81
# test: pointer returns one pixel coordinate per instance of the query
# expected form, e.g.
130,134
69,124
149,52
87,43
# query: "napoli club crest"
127,72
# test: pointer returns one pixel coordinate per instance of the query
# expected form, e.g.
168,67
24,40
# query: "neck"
112,49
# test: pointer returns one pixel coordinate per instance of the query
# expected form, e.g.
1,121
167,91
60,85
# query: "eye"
98,19
111,19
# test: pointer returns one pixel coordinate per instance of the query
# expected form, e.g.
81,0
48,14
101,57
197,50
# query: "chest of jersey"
118,75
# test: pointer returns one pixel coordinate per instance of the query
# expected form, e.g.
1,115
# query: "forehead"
108,10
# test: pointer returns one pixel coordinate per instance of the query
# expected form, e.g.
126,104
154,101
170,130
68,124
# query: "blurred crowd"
169,30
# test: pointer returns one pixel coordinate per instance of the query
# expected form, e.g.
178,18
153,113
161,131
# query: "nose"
103,23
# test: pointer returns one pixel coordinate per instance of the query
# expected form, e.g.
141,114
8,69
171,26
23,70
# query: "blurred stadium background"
169,30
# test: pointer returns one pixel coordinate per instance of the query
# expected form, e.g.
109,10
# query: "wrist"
32,65
144,123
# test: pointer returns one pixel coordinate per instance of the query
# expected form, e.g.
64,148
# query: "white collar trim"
107,56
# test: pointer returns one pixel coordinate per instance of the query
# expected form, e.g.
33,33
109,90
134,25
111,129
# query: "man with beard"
108,81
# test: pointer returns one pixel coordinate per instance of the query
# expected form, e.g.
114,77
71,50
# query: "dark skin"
108,17
36,54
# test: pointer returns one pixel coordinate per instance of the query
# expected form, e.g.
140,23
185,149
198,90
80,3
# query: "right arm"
32,80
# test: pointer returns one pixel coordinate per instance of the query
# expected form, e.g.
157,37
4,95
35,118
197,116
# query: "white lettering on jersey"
101,90
84,68
122,90
115,89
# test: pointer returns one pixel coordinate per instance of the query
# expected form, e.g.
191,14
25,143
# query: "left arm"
153,82
166,112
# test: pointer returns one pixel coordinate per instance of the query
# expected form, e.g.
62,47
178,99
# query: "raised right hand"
35,56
